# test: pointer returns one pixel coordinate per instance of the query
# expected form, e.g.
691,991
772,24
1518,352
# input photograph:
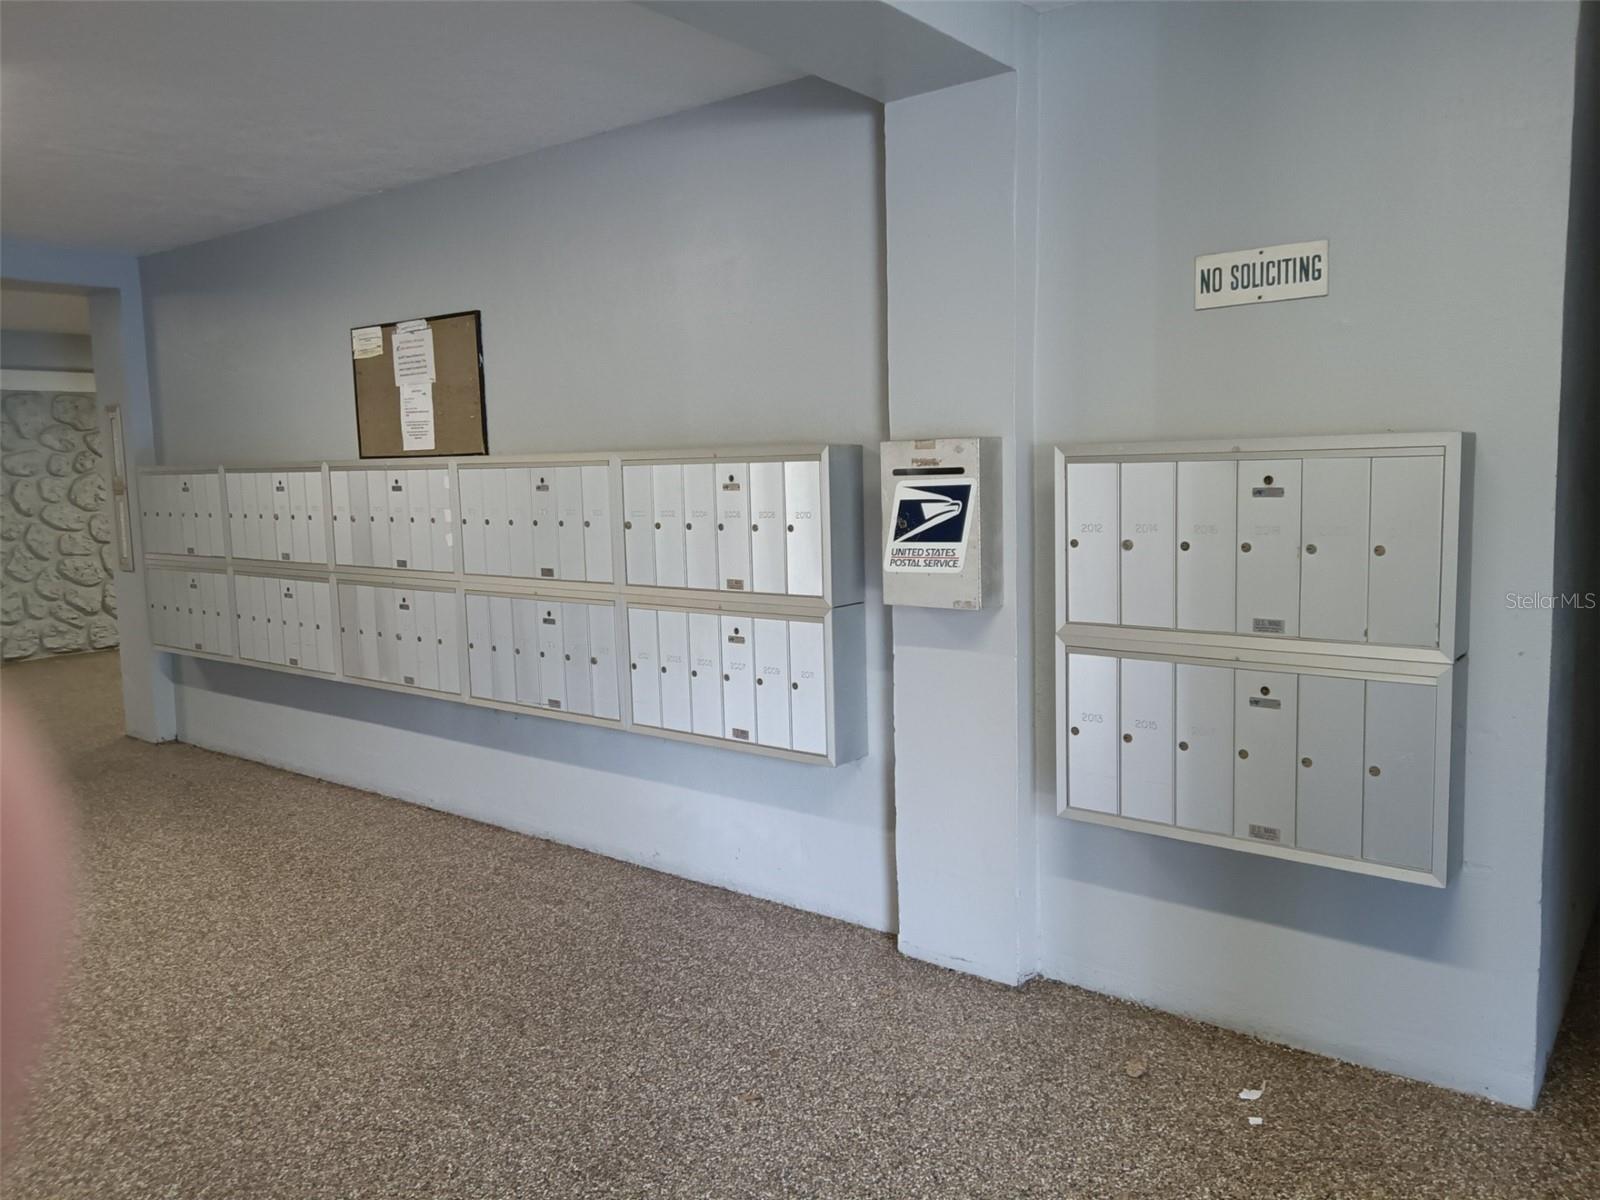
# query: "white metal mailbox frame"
839,609
1442,667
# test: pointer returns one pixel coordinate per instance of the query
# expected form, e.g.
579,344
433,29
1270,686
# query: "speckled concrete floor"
291,989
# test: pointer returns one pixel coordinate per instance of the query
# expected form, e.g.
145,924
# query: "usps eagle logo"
929,531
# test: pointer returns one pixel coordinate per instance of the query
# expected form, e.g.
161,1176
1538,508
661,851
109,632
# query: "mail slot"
940,544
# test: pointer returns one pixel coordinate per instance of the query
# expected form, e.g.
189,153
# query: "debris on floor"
1258,1120
1135,1068
1252,1093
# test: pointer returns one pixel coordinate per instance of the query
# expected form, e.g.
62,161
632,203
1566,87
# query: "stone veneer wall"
57,555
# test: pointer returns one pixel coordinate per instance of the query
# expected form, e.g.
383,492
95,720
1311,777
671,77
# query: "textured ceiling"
139,127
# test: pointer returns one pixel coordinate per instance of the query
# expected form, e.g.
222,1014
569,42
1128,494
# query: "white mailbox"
713,596
1203,734
1207,522
1260,643
1328,789
940,528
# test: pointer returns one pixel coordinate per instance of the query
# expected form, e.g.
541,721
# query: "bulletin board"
427,398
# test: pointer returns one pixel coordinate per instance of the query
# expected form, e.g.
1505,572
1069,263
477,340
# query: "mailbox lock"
593,661
658,524
794,687
1073,542
791,529
1267,479
1127,543
627,524
1244,754
1183,545
663,670
1305,762
1127,737
633,666
1374,772
693,674
1311,547
759,681
1183,745
755,529
720,527
1245,547
1379,551
726,678
688,524
586,524
1266,691
1074,731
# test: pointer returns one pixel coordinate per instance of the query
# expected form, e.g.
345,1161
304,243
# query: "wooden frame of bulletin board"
459,414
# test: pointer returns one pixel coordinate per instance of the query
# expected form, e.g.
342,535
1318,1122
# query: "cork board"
460,421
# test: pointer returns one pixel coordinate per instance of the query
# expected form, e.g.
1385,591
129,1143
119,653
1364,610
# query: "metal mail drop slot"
940,540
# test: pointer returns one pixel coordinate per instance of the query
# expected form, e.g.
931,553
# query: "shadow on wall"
770,781
1323,901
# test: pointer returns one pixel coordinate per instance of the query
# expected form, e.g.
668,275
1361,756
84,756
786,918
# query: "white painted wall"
1431,144
714,277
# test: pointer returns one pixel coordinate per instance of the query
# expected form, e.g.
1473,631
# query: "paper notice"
367,342
413,355
416,415
411,326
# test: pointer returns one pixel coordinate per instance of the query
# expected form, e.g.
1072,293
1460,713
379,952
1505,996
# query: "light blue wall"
714,277
961,202
1431,144
1572,821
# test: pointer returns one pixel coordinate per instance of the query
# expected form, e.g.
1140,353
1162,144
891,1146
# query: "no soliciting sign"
1262,275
